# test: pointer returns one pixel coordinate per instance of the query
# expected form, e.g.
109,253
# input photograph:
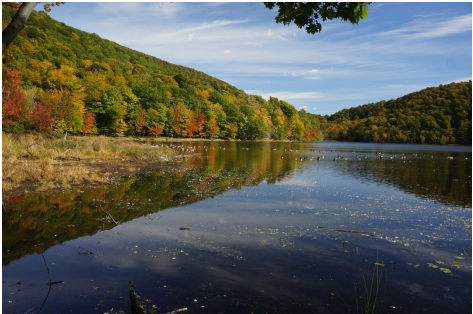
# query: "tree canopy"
306,14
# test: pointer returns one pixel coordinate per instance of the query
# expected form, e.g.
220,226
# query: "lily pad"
445,270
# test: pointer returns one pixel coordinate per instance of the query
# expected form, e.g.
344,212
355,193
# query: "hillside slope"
437,115
60,78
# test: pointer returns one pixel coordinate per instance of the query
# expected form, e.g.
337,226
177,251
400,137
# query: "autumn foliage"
58,78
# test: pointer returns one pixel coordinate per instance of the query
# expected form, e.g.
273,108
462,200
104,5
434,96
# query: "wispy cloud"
139,10
251,43
428,28
204,26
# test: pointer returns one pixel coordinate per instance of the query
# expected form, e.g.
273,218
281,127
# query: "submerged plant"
371,298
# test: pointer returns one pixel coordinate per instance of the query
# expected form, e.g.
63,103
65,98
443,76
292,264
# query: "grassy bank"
44,161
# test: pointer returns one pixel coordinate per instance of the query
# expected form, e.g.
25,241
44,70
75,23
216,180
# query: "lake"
246,227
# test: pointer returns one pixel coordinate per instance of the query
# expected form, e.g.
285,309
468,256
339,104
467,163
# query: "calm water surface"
251,228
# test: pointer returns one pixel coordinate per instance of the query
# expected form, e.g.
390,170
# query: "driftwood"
177,311
27,148
353,231
50,283
64,157
137,308
67,158
109,215
85,252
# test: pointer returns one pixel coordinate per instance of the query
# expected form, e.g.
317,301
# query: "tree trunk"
17,24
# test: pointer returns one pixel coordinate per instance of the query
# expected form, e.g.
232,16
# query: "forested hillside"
58,78
436,115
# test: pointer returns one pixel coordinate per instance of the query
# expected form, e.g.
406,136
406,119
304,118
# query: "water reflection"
230,243
434,172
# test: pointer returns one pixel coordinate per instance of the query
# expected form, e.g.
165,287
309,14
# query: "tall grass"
49,146
47,161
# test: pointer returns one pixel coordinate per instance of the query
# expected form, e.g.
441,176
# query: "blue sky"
400,48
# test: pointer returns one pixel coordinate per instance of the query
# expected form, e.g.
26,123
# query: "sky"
399,49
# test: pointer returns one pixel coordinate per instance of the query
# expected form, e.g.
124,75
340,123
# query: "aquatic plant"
371,299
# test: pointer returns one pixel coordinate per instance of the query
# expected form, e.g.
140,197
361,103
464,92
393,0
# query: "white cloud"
461,79
310,72
272,35
227,51
190,37
303,107
428,28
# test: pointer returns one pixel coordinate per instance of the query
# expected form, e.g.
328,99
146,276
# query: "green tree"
306,14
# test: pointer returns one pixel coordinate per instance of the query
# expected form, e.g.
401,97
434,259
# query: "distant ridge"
435,115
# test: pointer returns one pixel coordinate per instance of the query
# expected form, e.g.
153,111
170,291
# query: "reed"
371,298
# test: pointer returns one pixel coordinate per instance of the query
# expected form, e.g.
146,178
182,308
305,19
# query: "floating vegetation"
432,265
445,270
459,257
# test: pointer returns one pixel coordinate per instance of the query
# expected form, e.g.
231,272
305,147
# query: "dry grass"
49,146
45,174
35,160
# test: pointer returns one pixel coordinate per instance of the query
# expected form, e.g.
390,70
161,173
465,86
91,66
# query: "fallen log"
66,158
353,231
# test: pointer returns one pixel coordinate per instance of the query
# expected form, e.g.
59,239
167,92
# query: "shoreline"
44,162
39,163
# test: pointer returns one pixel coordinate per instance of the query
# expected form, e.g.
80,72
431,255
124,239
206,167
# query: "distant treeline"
437,115
58,78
